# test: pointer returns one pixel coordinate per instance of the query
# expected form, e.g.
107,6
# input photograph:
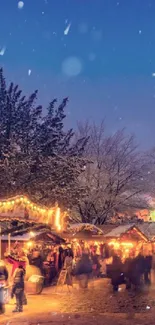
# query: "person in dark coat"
116,272
18,288
95,264
147,269
128,270
83,270
137,270
3,279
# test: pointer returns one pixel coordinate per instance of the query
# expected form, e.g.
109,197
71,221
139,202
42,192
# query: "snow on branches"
37,156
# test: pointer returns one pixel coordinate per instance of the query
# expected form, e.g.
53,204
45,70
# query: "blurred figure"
103,268
116,272
137,270
95,264
147,268
83,270
129,270
3,280
68,265
36,260
18,288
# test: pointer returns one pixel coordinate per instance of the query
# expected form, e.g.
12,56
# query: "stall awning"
48,237
130,230
21,209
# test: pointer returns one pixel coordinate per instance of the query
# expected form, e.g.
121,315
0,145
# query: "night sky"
100,53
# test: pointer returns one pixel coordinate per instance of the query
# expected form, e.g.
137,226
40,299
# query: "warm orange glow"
36,212
32,234
115,244
57,219
29,244
127,244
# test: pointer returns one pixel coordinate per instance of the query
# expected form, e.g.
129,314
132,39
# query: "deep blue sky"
113,42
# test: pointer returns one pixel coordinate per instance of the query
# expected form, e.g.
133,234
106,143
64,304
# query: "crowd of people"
17,287
134,270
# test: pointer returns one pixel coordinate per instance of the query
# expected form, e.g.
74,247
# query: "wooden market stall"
19,212
19,215
84,236
148,229
126,238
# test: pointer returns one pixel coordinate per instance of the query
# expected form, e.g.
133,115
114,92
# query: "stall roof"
48,237
85,227
108,228
23,238
148,229
124,229
21,209
38,236
119,230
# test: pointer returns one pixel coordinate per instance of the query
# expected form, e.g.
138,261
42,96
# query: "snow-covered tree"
37,156
115,179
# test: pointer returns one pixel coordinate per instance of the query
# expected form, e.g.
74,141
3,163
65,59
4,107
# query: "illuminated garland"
22,199
47,215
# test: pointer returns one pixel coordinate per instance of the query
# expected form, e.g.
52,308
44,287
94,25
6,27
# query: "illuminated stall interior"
20,214
126,238
84,237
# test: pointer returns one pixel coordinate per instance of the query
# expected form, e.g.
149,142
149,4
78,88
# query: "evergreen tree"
37,156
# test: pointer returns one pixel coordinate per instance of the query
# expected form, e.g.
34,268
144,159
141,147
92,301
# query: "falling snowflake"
92,56
2,50
140,31
72,66
20,4
153,74
96,34
67,29
148,307
29,72
43,12
83,28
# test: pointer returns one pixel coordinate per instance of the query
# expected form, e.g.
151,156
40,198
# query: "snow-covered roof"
24,237
120,230
79,227
148,229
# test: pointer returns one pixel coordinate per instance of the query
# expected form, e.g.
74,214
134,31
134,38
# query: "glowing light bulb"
29,244
32,233
57,219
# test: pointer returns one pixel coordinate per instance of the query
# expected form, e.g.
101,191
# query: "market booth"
84,236
126,238
18,216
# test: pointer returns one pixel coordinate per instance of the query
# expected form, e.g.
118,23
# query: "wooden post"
9,243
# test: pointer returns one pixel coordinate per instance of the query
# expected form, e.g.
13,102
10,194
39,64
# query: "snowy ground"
96,305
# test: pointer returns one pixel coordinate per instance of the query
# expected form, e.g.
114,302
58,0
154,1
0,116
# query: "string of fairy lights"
22,199
44,212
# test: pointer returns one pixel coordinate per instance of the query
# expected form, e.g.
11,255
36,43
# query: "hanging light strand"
46,213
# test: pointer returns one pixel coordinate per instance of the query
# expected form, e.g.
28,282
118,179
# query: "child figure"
18,288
